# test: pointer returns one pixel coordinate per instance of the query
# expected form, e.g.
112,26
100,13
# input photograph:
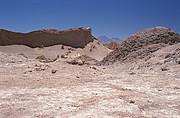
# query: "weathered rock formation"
142,44
77,37
112,45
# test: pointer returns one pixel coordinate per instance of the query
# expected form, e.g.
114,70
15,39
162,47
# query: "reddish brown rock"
77,37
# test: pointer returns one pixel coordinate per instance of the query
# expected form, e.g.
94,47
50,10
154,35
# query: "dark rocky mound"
77,37
142,44
167,58
175,56
112,45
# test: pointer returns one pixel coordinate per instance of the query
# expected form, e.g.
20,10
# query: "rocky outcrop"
77,37
75,58
142,44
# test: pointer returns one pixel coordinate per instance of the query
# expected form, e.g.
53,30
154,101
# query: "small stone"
132,102
164,69
70,49
178,61
54,71
132,73
62,56
94,68
176,87
62,47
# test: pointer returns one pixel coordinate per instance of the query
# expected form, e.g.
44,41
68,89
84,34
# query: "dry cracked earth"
31,89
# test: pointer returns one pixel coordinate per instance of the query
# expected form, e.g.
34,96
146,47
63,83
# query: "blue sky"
113,18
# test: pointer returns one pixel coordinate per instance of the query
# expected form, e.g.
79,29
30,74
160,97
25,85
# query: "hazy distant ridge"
105,39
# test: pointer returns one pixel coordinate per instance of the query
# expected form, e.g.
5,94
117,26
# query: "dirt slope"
160,60
29,88
93,49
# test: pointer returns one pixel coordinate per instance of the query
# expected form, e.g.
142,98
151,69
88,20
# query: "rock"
21,54
75,61
94,68
39,69
53,71
178,61
63,56
77,37
70,49
62,47
148,40
132,102
131,73
42,58
176,87
78,59
164,69
56,58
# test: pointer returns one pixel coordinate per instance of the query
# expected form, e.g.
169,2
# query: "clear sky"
113,18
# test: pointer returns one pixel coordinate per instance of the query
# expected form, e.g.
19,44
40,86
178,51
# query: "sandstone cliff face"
77,37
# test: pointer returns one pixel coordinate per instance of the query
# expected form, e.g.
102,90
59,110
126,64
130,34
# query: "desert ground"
139,79
33,89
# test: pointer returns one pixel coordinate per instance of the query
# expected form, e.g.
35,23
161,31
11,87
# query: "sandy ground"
30,89
94,49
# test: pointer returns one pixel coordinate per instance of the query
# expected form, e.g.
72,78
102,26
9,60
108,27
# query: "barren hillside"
142,44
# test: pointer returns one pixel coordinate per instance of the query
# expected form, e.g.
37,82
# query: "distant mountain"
116,39
104,39
112,45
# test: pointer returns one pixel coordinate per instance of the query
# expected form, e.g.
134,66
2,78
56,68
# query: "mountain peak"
105,39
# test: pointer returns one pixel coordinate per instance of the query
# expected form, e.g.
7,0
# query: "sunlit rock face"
77,37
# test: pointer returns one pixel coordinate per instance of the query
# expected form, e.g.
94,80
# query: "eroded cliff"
77,37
